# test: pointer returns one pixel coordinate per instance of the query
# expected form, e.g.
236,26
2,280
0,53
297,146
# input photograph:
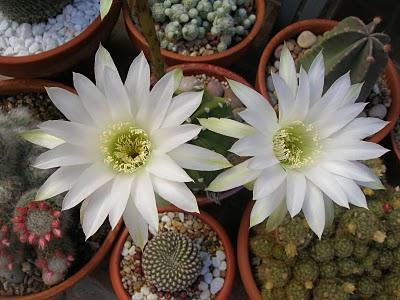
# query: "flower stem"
141,10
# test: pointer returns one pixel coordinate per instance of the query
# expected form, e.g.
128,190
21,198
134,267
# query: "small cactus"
352,45
32,11
171,262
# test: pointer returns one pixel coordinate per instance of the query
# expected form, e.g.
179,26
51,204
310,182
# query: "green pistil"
296,145
125,147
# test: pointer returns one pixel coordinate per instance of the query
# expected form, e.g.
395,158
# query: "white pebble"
137,296
208,278
181,217
127,244
124,252
152,297
203,286
24,31
166,219
205,295
222,266
145,290
216,285
216,273
220,254
216,262
306,39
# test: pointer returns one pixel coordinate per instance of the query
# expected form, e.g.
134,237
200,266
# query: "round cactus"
190,31
328,270
306,272
323,251
171,262
343,247
392,285
330,289
275,274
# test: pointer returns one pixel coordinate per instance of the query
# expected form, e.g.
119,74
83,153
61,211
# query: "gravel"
28,39
379,99
212,254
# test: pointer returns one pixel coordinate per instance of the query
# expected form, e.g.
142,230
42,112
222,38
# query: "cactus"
171,262
358,258
352,45
32,11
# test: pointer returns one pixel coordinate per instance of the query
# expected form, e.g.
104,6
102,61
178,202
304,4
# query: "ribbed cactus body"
32,11
352,46
171,262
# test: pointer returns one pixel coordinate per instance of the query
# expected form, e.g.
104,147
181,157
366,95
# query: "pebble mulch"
379,98
396,131
212,253
28,39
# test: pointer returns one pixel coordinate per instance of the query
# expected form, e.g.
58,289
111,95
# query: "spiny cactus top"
31,11
171,262
352,46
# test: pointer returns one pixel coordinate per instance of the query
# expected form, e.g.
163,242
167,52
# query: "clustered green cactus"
31,11
171,262
352,45
29,229
190,20
358,257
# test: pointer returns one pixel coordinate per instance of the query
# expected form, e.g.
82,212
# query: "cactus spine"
352,45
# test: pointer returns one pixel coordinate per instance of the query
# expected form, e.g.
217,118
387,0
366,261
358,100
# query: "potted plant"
355,257
202,269
42,251
44,38
198,32
315,35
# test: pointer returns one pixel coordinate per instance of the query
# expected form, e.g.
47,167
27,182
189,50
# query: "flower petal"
327,182
102,60
353,150
120,190
277,217
253,100
166,139
71,132
314,209
60,181
197,158
361,128
253,145
89,181
262,162
258,121
137,82
285,97
181,108
136,224
105,6
352,94
61,156
98,206
264,207
163,166
295,192
116,95
287,70
41,138
70,105
176,193
92,99
143,195
350,169
353,191
316,74
329,212
301,104
268,181
233,177
152,112
227,127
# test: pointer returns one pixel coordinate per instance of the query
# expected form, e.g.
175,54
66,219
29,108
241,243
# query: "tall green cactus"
352,46
31,11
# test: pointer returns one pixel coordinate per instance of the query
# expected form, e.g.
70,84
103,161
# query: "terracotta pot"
319,26
14,86
230,258
219,73
246,273
395,146
224,58
64,57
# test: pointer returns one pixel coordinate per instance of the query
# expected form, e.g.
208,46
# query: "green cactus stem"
352,46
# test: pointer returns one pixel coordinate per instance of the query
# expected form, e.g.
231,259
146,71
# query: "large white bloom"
123,144
308,156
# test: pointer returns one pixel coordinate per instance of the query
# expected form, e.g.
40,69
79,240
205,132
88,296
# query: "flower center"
296,145
125,147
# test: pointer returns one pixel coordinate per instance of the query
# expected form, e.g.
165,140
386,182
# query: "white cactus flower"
122,145
308,156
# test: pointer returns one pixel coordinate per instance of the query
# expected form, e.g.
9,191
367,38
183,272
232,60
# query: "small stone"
181,217
306,39
216,285
270,84
215,88
166,219
203,286
290,44
152,297
127,244
205,295
216,262
216,273
378,111
137,296
387,102
222,266
278,50
208,278
145,290
124,252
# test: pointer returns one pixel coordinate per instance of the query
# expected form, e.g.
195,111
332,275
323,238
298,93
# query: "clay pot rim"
80,39
257,26
223,294
395,147
242,249
220,73
319,26
13,86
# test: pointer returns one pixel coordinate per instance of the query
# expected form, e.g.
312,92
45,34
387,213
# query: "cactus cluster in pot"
29,229
358,256
352,45
31,11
